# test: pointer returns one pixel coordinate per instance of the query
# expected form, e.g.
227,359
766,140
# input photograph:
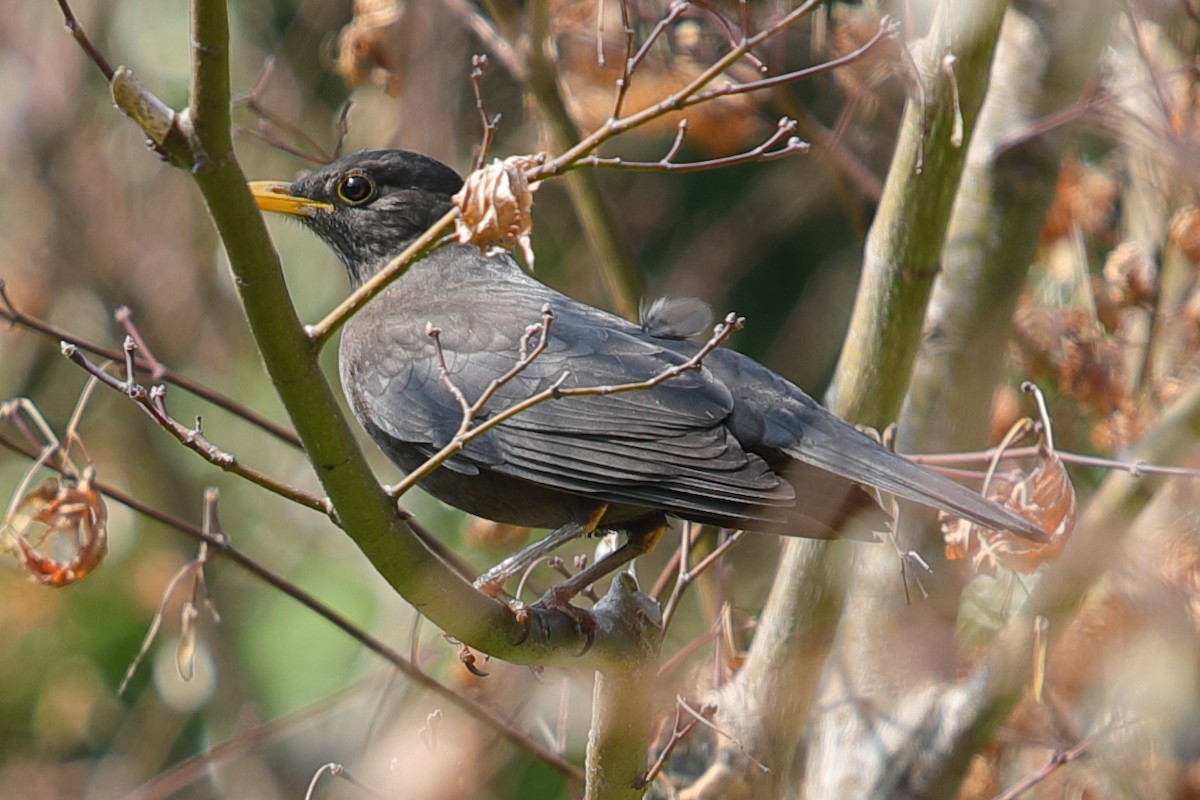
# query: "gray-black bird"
732,443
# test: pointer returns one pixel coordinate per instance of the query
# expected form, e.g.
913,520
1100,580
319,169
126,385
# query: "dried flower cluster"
496,202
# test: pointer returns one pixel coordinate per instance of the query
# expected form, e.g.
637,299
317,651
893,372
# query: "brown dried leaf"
59,517
368,48
1083,199
497,206
1044,496
1184,232
1132,275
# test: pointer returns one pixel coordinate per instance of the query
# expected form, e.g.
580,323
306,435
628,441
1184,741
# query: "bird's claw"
558,599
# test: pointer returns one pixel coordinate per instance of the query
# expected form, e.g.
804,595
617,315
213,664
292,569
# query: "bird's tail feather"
870,463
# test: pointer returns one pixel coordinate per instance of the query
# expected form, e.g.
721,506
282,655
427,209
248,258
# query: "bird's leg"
492,582
640,540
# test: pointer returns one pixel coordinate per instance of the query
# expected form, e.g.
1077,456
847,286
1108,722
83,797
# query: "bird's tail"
862,459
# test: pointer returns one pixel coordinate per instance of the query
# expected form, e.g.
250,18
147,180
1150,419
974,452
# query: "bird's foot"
558,598
496,591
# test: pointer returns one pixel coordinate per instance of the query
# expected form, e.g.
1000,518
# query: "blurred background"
91,220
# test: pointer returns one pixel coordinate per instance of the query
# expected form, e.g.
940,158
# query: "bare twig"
687,576
631,62
489,123
124,318
703,716
1135,468
694,92
761,153
10,313
153,403
80,35
1060,758
678,733
735,34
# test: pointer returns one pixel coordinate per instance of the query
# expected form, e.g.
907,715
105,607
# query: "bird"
727,442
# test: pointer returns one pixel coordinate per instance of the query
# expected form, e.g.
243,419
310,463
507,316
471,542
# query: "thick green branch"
901,259
201,140
904,246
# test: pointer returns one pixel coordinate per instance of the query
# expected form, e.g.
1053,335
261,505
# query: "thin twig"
1059,758
153,403
733,35
631,62
1135,468
323,330
687,576
677,735
489,123
80,35
694,92
10,313
759,154
703,717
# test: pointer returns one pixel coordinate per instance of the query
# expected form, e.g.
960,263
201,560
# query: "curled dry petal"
59,530
1044,496
497,204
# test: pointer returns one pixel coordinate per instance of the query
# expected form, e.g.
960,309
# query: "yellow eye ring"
356,189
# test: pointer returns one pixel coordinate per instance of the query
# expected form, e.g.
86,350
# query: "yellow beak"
273,196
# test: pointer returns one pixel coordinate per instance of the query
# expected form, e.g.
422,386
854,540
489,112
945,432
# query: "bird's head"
368,206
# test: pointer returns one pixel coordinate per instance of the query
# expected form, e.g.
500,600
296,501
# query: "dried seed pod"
60,518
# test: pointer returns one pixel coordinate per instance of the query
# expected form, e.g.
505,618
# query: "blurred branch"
493,41
900,261
294,140
991,239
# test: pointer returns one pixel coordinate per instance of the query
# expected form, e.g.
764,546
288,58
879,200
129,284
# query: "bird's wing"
667,447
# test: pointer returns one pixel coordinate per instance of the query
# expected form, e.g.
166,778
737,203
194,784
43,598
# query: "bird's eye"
356,189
